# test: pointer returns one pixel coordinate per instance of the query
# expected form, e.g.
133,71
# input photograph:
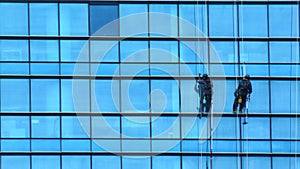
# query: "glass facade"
94,84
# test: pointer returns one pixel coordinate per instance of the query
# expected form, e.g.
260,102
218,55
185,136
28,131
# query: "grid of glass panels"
139,59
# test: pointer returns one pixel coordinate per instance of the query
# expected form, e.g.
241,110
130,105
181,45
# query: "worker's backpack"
243,87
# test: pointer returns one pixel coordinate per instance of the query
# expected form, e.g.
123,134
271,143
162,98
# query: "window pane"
45,95
224,52
13,162
163,20
291,129
20,145
43,19
166,70
259,97
256,162
74,51
222,20
195,146
226,146
194,51
135,95
105,51
254,52
106,127
107,162
45,162
192,162
106,96
291,147
165,127
14,126
44,69
284,52
194,127
71,16
76,145
45,127
14,95
261,124
253,21
227,128
103,20
166,162
18,68
135,69
229,162
285,162
188,95
76,162
193,20
284,20
256,146
44,145
75,95
134,51
163,51
44,50
281,101
13,50
15,17
139,162
133,19
136,127
164,96
75,127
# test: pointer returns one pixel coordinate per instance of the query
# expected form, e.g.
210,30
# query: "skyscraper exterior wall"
91,84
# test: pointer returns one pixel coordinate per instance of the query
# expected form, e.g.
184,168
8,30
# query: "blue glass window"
105,96
193,51
227,128
44,69
137,145
253,21
75,162
285,146
283,20
43,18
14,126
18,145
104,51
18,68
45,145
12,162
261,124
135,69
223,52
103,20
229,162
45,127
76,145
165,127
256,146
136,127
188,95
44,50
74,51
193,20
254,52
133,19
135,95
75,95
222,20
284,102
75,127
256,162
136,161
164,96
284,52
14,95
107,162
163,20
45,162
290,131
14,50
106,127
166,162
45,95
164,51
225,146
15,17
73,19
192,162
285,162
134,51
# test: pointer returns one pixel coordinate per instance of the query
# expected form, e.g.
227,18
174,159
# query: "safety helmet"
247,76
